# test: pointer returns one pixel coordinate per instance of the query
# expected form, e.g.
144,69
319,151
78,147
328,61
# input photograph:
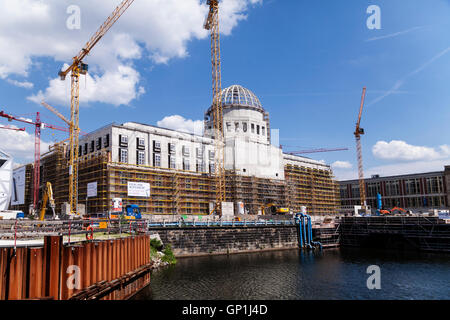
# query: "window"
228,126
253,128
123,155
199,152
257,129
211,168
99,143
263,131
92,148
211,155
156,146
140,157
123,140
244,126
106,142
171,148
185,151
188,184
156,160
80,151
186,165
200,166
392,188
236,126
434,185
172,163
412,186
140,143
158,181
85,150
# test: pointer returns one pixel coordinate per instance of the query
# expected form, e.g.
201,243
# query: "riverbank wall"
197,241
396,232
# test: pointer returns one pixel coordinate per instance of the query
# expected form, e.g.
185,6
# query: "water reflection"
293,274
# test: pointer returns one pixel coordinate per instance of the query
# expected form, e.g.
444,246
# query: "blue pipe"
300,234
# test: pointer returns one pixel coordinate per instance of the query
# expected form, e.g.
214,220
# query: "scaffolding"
314,188
184,192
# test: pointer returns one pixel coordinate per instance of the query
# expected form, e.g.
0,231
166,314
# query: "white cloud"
20,144
404,158
155,30
341,164
400,150
179,123
22,84
408,168
114,87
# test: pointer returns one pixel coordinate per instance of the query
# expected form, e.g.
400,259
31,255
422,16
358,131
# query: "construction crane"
77,68
11,128
56,112
38,124
212,24
316,151
358,132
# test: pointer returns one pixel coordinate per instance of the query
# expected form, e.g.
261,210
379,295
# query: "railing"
32,229
183,224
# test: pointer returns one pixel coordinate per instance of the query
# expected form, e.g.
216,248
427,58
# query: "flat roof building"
416,192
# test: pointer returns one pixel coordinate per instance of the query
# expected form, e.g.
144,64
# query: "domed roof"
239,96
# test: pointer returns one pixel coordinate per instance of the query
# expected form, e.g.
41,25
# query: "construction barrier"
107,269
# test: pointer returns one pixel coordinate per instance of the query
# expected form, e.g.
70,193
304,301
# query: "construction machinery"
77,68
358,132
272,208
212,24
47,199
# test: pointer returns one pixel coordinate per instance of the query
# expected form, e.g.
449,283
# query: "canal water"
290,274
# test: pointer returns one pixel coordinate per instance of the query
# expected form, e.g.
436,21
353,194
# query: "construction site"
175,188
108,184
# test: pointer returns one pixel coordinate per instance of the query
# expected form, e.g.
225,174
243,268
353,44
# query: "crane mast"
76,69
358,132
212,24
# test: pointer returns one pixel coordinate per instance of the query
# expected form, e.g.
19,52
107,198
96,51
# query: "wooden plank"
94,262
78,260
87,265
36,272
16,274
55,266
67,262
3,267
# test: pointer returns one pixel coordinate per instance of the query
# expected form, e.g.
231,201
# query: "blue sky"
307,61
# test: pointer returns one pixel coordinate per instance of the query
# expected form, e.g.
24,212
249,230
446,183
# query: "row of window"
98,144
237,127
140,160
412,187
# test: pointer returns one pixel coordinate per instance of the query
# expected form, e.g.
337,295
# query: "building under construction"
171,172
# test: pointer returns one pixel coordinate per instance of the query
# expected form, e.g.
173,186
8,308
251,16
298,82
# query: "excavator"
272,208
48,198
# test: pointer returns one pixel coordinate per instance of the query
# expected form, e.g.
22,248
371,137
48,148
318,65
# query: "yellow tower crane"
358,132
76,68
212,24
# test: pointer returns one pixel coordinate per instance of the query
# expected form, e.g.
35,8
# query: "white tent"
6,165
